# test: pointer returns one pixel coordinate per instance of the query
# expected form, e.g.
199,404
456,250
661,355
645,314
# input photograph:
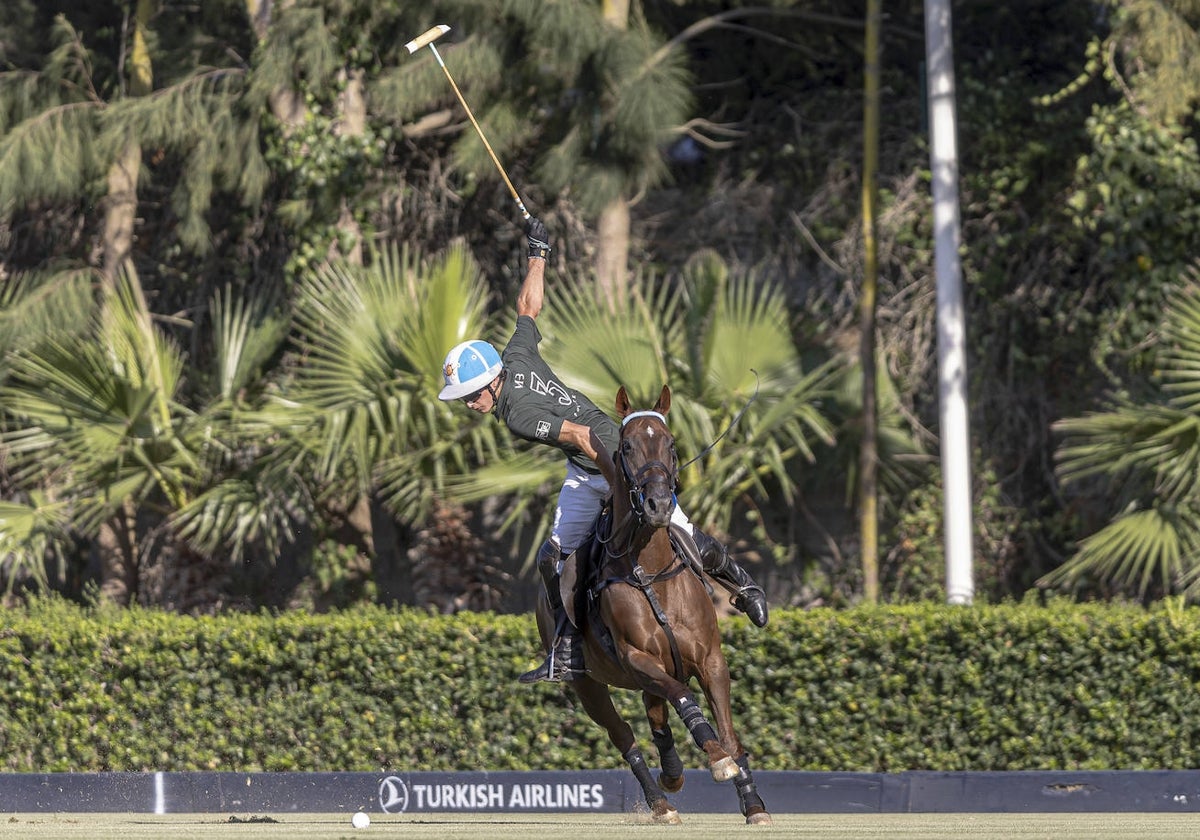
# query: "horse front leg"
648,672
717,691
714,682
720,764
670,777
753,808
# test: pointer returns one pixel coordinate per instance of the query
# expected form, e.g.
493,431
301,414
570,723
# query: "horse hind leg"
660,808
597,702
720,764
753,808
670,777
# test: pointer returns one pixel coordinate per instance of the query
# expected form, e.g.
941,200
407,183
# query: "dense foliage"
931,688
244,414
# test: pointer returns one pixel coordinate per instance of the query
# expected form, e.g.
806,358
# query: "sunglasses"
470,398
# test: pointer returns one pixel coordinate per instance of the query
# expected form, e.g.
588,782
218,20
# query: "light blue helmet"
470,367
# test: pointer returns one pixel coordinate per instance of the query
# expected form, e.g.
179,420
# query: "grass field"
1092,826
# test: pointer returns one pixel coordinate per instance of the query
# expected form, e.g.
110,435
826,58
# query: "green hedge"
934,687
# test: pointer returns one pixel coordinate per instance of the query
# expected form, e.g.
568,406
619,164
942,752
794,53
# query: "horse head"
645,459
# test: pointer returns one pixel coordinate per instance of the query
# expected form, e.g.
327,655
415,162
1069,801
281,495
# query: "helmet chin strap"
493,390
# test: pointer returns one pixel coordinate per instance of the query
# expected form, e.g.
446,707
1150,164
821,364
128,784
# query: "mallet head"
427,38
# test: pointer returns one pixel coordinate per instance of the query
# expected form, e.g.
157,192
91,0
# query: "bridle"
637,482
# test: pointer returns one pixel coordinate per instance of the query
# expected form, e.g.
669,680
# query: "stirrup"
562,664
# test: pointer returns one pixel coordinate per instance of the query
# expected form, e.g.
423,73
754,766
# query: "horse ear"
664,401
622,402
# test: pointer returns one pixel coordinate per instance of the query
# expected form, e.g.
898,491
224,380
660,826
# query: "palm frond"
262,506
51,156
449,306
247,332
1180,354
597,351
1136,550
30,534
36,307
96,414
1156,447
362,403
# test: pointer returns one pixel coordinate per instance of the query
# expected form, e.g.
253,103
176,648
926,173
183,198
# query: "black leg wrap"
641,771
747,791
693,719
668,756
637,763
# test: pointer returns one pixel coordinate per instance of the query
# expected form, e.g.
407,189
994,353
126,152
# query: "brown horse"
649,623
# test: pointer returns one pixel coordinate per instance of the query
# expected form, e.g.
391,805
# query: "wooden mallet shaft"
426,39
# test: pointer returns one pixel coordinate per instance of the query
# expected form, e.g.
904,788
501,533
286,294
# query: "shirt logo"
543,429
550,388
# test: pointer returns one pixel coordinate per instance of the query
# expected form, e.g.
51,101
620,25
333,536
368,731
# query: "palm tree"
35,526
355,409
1145,457
244,497
94,422
104,448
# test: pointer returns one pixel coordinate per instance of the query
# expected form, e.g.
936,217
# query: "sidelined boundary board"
598,791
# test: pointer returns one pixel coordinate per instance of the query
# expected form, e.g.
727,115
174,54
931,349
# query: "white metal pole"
951,329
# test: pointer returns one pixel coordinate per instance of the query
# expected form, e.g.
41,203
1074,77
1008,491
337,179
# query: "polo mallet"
426,39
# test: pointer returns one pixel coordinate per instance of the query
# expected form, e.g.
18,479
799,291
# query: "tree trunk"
120,212
352,122
117,542
868,495
612,254
616,12
259,12
117,547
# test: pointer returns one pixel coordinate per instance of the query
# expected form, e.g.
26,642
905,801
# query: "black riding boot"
748,596
565,661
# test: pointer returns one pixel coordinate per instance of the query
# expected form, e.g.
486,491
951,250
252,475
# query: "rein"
728,428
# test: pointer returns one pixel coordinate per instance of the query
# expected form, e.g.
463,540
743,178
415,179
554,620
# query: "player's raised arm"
532,294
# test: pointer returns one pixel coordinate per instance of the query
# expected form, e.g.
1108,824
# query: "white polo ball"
360,820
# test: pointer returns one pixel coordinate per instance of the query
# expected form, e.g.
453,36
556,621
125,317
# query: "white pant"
579,502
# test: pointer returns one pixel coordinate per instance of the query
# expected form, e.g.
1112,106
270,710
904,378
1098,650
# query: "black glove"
539,238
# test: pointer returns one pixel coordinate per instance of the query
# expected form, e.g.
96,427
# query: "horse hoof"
669,785
664,814
761,818
724,769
